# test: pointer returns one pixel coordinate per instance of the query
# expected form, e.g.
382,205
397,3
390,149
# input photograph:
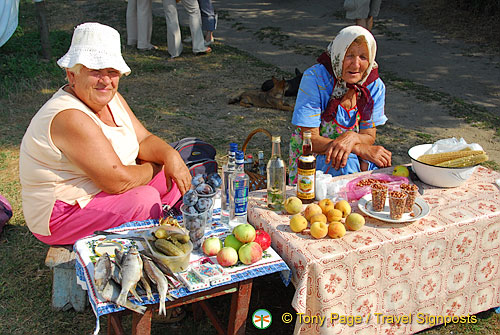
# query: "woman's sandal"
209,50
174,315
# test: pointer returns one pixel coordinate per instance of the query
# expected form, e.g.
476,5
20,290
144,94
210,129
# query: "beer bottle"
306,171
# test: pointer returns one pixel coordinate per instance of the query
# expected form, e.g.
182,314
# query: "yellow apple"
344,207
311,210
334,215
336,230
298,223
354,221
318,218
326,205
293,205
319,229
401,171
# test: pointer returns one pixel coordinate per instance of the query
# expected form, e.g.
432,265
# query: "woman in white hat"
341,102
78,156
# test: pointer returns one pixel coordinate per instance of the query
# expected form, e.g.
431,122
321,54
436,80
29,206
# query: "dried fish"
158,278
116,273
146,285
118,255
111,293
131,267
102,271
165,269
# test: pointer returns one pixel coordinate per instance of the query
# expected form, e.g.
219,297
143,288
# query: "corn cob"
435,159
465,161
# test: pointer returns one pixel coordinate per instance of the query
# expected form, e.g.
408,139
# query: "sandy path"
291,33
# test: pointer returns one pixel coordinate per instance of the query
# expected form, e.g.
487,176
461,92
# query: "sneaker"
187,40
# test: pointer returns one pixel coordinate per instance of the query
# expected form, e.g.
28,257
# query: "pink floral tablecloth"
446,264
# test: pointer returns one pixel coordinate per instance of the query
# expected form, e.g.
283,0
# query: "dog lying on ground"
293,84
273,98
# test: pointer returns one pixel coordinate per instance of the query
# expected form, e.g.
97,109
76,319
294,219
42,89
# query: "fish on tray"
131,269
102,271
158,278
111,293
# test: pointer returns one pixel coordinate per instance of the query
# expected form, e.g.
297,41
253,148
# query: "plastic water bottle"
239,183
227,170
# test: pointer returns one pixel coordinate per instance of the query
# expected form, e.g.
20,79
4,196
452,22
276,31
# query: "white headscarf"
337,49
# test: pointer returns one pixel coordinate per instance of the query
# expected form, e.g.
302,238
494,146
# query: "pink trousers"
68,223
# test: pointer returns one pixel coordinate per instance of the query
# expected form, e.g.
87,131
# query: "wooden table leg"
141,323
211,315
115,324
240,302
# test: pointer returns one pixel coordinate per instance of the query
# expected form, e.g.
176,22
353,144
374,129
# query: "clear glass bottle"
276,177
306,171
261,166
227,170
239,183
249,163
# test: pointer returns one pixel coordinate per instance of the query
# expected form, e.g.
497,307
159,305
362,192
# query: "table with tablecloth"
85,258
444,264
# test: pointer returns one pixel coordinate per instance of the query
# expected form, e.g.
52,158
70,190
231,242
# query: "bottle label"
240,198
305,183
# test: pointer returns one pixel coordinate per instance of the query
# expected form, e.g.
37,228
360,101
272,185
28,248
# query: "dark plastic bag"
5,212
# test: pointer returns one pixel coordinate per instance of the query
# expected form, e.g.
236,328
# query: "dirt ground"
439,69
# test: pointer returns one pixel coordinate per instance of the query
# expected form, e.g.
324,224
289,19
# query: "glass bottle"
227,170
239,183
261,166
276,177
249,163
306,171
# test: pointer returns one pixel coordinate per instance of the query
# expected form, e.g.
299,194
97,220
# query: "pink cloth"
68,223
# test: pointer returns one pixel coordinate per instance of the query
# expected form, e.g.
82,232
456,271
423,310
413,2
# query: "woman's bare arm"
85,145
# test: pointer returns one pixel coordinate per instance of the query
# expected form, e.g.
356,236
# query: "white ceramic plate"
420,210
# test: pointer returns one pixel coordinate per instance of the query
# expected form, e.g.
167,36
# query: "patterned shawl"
333,59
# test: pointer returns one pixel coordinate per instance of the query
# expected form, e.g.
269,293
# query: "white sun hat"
96,46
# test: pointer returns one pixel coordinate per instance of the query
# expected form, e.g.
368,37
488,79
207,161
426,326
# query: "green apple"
401,171
233,242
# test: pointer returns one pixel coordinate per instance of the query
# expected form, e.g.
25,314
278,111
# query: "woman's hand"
339,149
376,154
175,169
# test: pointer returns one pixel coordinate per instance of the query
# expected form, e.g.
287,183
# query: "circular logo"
262,319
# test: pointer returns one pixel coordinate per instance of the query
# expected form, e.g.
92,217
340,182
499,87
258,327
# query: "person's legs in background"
131,17
208,20
174,42
374,10
144,24
193,11
139,24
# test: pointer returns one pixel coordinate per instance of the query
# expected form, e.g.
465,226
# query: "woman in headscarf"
341,101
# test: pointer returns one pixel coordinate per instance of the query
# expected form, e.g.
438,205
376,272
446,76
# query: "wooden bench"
66,293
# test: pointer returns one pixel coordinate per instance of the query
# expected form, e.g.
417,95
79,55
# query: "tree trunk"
43,28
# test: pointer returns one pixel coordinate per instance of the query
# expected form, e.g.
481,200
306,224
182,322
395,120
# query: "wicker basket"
257,181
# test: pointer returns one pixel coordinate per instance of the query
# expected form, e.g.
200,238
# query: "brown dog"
270,99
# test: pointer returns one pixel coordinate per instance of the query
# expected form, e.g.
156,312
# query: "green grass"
173,99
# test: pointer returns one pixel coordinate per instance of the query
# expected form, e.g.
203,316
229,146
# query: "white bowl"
436,175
